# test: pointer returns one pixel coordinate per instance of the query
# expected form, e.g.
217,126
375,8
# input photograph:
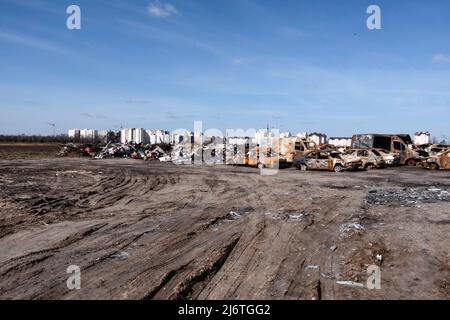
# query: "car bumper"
353,165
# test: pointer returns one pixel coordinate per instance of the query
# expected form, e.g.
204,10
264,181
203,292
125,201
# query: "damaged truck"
399,144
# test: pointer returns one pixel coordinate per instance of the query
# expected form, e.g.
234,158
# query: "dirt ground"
151,230
28,150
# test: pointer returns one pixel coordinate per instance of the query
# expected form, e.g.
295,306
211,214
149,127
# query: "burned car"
389,158
439,161
399,144
435,149
270,159
371,158
257,158
327,160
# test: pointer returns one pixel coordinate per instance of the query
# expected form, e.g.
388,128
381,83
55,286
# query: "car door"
322,161
399,148
311,160
362,154
445,160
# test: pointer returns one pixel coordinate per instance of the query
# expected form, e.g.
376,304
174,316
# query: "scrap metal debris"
121,255
288,216
351,284
407,196
230,217
312,267
349,229
117,150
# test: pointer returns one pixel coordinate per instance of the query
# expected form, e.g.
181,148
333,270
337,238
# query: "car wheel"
434,166
370,166
338,168
411,163
261,166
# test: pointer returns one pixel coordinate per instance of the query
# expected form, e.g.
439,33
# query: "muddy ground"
151,230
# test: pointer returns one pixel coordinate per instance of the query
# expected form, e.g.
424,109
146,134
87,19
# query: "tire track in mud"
286,277
176,228
22,262
191,288
213,188
102,193
164,281
188,280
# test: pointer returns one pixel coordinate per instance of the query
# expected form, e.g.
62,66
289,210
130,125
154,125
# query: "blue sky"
298,65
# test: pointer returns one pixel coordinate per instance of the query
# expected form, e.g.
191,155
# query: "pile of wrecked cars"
366,152
113,150
400,145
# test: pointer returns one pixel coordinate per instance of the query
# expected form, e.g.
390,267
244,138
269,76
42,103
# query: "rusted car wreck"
399,144
371,158
329,160
439,161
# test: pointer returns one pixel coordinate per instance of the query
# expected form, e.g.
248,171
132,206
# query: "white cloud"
441,58
30,42
170,37
161,10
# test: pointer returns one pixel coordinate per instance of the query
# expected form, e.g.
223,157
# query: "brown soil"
28,150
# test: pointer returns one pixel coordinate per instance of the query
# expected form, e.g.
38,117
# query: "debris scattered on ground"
311,266
407,196
349,229
78,150
127,150
288,216
230,217
182,154
121,255
235,215
327,276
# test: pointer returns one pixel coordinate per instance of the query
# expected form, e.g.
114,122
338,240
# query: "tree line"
35,139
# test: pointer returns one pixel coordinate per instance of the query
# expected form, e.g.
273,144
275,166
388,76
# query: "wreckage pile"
279,153
78,150
127,150
407,196
188,153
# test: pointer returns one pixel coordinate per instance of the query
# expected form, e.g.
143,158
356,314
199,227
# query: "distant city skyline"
296,65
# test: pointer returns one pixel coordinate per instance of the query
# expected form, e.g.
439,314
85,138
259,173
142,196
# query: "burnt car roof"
326,151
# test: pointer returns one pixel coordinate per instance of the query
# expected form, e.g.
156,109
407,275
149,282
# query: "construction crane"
54,126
